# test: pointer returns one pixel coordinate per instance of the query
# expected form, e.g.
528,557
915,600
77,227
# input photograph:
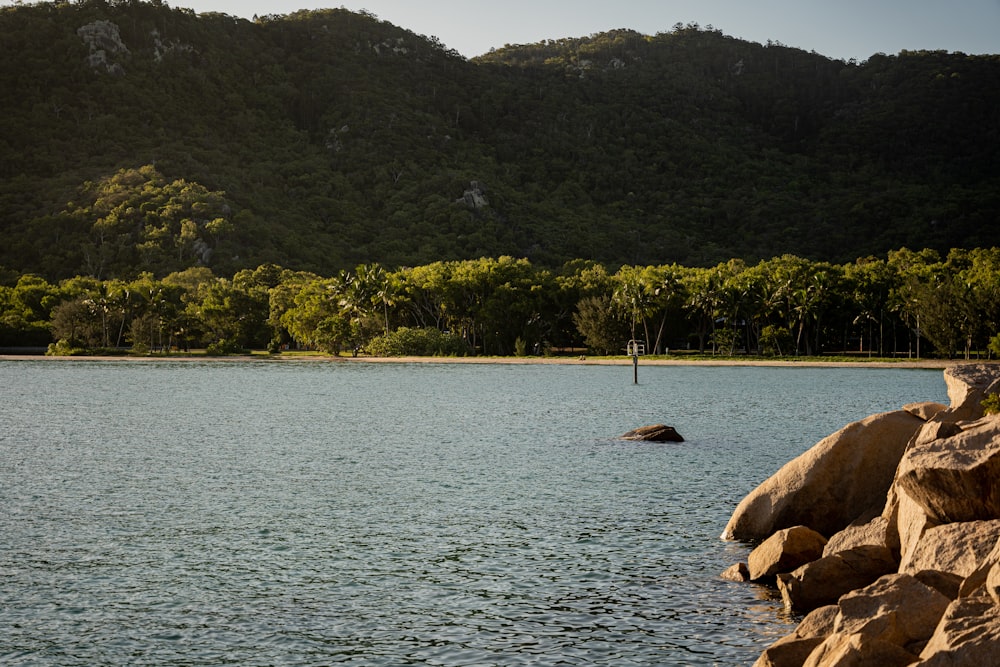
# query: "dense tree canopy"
140,138
907,304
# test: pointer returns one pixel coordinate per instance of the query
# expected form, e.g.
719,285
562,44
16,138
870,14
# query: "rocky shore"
886,535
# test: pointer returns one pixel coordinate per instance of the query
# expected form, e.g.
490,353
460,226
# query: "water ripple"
317,514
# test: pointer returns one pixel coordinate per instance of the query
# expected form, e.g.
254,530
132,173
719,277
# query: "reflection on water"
320,513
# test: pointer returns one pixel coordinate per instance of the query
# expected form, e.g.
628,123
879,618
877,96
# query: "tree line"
909,303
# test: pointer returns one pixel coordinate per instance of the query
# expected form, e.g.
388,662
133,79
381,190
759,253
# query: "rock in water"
785,551
842,477
654,433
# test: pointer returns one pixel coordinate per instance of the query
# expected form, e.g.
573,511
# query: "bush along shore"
886,536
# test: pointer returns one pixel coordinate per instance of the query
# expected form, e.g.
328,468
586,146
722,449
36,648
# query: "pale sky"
842,29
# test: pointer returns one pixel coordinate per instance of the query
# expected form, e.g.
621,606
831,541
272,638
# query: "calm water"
300,513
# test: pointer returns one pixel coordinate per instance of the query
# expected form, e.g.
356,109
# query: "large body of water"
318,513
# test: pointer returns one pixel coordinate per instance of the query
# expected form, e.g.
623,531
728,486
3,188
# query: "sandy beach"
578,361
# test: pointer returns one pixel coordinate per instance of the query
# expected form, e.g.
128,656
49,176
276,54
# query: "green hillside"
137,137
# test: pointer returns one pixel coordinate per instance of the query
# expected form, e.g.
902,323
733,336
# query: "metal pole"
635,366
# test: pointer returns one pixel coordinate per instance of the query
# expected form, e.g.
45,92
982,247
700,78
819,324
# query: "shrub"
63,348
775,340
520,347
223,347
991,404
406,342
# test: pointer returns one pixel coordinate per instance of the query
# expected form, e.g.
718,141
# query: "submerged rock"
654,433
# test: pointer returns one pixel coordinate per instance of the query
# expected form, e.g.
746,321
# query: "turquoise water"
319,513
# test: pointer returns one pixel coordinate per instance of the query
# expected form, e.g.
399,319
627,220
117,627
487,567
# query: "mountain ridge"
148,138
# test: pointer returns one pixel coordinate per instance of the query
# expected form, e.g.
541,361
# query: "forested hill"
135,136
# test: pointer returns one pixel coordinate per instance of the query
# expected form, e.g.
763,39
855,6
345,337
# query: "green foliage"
991,404
910,304
427,342
602,330
63,348
326,139
520,347
224,347
136,217
775,340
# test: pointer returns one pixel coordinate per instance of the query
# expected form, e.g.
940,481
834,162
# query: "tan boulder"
788,653
829,486
993,583
907,522
896,608
977,579
924,410
820,622
967,385
784,551
823,581
736,572
967,636
946,583
959,548
792,649
874,532
843,650
954,479
935,430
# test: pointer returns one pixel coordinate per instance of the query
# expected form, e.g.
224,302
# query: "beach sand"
577,361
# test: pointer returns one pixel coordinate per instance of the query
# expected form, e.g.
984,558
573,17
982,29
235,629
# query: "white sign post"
634,349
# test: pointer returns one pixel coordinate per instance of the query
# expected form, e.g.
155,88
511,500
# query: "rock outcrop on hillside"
886,535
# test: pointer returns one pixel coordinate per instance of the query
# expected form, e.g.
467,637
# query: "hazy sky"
835,28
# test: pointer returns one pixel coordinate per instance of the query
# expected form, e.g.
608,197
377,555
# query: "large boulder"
946,583
785,551
967,636
925,409
793,649
875,532
959,548
788,652
993,583
968,385
844,650
823,581
978,578
896,608
906,522
955,478
843,477
885,623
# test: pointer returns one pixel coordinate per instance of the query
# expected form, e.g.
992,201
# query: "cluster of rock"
105,42
885,535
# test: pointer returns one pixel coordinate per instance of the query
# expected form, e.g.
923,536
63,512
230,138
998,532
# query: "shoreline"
571,361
